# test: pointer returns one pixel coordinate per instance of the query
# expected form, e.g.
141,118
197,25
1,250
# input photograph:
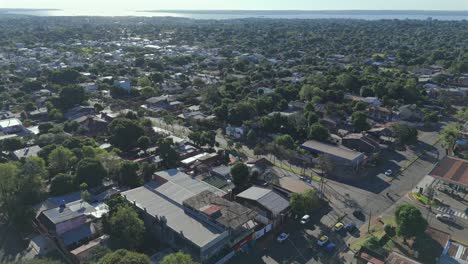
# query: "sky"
241,4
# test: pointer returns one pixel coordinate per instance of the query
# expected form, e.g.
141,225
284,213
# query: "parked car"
330,247
282,237
358,214
350,227
338,226
305,219
389,173
445,217
322,240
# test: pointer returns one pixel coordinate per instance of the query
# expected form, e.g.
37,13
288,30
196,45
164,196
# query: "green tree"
18,193
128,174
45,127
144,142
318,132
157,77
91,172
178,258
144,81
305,203
430,117
462,114
308,91
124,133
34,166
64,77
11,144
61,160
359,120
404,133
449,136
147,170
123,256
285,141
62,184
240,175
169,157
409,220
70,96
126,228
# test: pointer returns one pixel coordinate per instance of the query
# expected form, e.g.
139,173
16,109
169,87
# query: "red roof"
452,169
211,209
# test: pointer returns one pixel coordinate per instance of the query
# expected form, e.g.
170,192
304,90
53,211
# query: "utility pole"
368,224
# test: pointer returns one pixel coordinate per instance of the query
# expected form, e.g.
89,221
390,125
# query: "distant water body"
240,14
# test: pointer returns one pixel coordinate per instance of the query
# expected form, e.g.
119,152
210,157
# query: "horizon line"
250,10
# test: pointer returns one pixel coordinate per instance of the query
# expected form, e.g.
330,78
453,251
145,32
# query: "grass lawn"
297,171
423,199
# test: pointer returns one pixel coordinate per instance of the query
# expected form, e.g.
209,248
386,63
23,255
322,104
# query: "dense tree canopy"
126,228
410,222
123,256
125,132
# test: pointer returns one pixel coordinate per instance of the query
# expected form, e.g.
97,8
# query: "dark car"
359,215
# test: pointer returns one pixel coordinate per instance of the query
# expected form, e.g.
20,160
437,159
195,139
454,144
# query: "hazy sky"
239,4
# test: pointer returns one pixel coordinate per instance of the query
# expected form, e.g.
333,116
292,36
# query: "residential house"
79,111
235,132
338,154
123,83
379,113
195,116
361,142
89,87
26,152
163,102
11,126
68,224
374,101
272,208
38,114
410,113
92,125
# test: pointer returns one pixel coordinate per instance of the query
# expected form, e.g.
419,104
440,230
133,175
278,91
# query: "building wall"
63,227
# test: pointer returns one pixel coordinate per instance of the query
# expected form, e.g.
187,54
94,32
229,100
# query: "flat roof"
336,151
267,198
180,186
293,185
10,122
233,215
452,169
159,206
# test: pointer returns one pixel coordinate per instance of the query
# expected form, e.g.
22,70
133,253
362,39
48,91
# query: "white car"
389,173
445,217
282,237
322,240
305,219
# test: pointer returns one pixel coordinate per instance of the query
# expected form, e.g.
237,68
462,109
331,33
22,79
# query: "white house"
123,84
235,132
11,126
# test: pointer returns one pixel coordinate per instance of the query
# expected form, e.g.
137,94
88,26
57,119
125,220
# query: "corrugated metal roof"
253,193
268,198
182,223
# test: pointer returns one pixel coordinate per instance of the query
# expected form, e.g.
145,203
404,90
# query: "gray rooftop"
233,215
160,206
333,150
267,198
27,152
180,186
77,234
70,211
